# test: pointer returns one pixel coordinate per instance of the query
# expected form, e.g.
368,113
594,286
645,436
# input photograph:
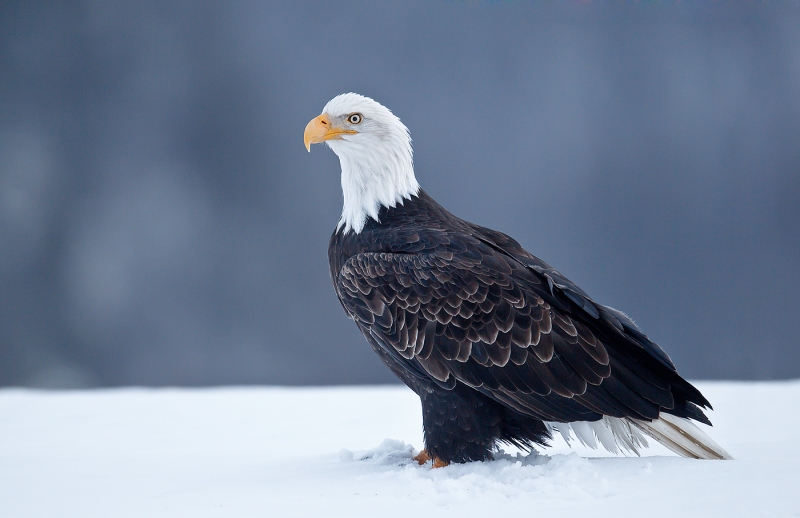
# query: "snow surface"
274,452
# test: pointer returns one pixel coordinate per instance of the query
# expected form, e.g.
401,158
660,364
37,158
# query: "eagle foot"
423,457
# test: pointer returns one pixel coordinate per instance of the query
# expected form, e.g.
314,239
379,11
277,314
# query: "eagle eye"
355,118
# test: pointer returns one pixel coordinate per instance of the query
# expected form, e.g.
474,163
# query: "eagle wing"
485,318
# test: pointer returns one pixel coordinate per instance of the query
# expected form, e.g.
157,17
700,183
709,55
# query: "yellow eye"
355,118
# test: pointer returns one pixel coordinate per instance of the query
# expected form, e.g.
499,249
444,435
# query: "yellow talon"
423,457
439,463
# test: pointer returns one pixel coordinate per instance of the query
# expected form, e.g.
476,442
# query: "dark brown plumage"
493,339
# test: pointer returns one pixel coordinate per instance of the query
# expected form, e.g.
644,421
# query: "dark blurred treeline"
161,222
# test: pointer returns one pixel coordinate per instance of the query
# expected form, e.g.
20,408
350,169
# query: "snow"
275,452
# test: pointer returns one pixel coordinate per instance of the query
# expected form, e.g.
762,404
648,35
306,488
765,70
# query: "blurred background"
162,224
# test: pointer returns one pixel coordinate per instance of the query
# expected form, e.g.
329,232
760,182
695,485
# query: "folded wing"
482,317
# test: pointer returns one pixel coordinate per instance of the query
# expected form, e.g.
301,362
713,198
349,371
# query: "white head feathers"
377,160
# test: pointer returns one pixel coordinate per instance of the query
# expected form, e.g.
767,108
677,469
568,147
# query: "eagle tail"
683,437
614,434
621,435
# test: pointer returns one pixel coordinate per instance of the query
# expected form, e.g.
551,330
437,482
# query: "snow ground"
274,452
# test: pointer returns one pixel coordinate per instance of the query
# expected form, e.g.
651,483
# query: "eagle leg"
423,457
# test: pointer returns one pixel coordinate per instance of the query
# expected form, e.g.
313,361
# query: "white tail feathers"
626,435
614,434
683,437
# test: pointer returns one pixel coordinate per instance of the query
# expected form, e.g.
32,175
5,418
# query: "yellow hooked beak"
320,130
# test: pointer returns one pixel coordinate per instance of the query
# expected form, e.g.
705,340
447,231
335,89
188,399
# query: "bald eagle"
499,346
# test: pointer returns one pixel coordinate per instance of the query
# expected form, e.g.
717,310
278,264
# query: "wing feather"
478,317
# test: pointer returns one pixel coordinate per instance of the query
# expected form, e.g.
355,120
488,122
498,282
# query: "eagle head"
374,150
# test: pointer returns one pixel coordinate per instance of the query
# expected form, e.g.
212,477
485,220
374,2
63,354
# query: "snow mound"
323,452
508,476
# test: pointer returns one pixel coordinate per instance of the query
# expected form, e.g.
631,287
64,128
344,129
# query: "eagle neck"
373,177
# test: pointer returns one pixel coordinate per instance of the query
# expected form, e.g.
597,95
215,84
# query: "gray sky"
162,224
